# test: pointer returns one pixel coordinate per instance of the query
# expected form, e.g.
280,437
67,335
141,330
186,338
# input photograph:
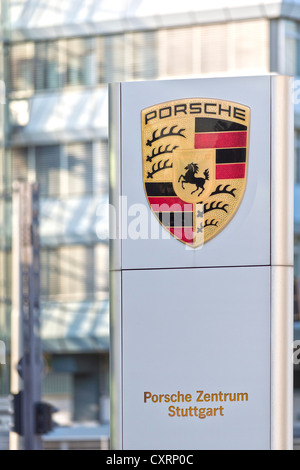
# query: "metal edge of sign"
116,414
281,358
116,376
282,172
282,233
115,175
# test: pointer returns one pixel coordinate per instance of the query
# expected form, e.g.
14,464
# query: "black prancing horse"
190,178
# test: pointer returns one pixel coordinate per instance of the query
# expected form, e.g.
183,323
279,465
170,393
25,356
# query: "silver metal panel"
246,240
188,330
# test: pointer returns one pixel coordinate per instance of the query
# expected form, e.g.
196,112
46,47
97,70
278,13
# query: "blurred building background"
56,60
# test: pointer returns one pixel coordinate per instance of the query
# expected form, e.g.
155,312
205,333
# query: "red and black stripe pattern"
173,213
230,141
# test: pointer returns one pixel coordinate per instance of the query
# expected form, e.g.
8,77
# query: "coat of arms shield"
195,161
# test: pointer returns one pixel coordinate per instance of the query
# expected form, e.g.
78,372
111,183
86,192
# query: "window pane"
251,41
74,62
101,172
101,59
21,67
52,77
48,170
20,164
114,64
101,268
89,58
176,51
144,55
40,65
214,50
76,272
57,383
80,168
79,62
67,273
50,273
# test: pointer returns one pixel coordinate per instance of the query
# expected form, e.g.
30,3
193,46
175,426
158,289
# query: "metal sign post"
202,263
26,349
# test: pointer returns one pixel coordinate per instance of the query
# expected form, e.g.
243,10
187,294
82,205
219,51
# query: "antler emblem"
159,167
164,133
160,152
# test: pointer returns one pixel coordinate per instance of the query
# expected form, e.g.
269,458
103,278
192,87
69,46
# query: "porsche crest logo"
195,158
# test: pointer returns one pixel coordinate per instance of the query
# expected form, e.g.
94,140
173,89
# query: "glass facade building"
56,63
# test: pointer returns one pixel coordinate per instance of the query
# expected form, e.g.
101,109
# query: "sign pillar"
26,347
201,217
